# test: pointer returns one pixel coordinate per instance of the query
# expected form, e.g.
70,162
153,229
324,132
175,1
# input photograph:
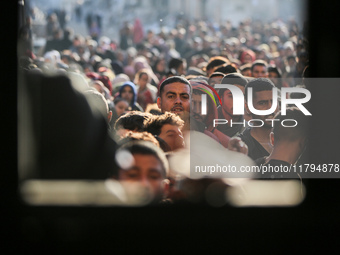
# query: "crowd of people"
146,89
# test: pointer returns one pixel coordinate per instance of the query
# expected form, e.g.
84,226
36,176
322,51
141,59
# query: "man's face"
263,100
127,94
145,171
175,98
259,71
227,100
173,136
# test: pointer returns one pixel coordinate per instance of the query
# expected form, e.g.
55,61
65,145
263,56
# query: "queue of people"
125,114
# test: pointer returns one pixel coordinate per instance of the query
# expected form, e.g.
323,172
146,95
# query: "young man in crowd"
166,127
177,66
142,170
175,97
256,136
131,121
259,69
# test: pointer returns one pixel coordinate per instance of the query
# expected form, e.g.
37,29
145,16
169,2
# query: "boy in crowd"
143,168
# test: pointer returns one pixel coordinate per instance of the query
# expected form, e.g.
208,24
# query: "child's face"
121,107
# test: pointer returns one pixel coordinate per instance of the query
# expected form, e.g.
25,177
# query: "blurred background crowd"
124,50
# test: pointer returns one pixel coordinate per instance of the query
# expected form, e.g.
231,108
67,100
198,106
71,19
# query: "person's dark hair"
141,72
275,70
291,57
154,66
155,112
140,46
233,78
258,84
245,67
155,123
143,148
138,136
175,63
57,32
290,133
216,61
226,69
258,62
173,79
153,109
67,32
132,121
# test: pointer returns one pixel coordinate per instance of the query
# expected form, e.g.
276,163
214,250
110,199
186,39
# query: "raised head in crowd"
138,136
175,97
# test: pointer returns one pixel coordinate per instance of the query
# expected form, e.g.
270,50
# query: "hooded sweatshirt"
134,105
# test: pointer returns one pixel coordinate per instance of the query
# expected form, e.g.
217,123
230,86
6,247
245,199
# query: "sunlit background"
156,16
